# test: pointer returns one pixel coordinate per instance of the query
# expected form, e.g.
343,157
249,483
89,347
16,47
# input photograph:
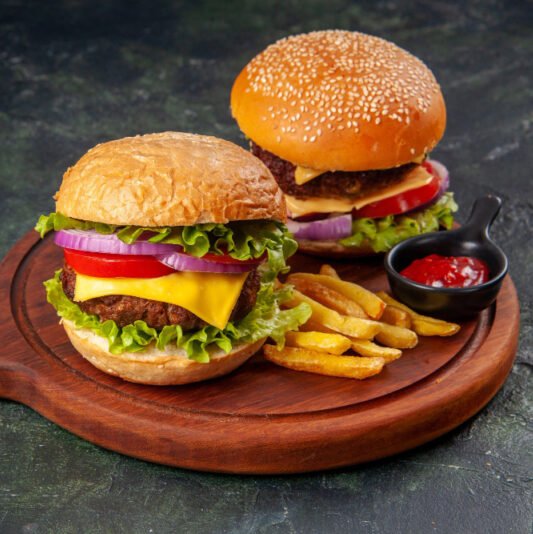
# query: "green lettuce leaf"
57,221
242,240
266,319
382,234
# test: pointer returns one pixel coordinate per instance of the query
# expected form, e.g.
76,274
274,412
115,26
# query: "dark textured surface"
76,73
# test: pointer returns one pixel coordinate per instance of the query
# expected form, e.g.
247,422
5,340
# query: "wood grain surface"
261,418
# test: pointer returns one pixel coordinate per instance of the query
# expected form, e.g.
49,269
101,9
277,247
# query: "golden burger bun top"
169,179
339,100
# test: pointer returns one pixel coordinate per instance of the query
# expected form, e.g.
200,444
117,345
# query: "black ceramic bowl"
472,239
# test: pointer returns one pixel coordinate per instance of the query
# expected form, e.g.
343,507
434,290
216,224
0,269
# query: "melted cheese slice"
210,296
302,175
413,179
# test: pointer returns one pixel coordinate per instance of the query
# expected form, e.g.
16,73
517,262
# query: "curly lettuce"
266,319
242,240
382,234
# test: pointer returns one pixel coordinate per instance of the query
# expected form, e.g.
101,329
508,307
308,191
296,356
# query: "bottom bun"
154,366
333,249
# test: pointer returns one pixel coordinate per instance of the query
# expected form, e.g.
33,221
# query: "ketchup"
447,271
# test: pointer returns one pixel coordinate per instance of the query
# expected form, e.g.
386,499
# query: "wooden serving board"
261,418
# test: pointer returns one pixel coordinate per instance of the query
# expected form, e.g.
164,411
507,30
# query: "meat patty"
331,184
125,310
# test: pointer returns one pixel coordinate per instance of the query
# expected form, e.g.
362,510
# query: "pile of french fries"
352,332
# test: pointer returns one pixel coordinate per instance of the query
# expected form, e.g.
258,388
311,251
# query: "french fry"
422,324
328,297
349,326
396,337
371,350
346,316
318,341
328,270
323,363
371,303
315,326
396,316
423,327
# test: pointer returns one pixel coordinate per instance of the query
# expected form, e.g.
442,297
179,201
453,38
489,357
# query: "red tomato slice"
403,202
115,265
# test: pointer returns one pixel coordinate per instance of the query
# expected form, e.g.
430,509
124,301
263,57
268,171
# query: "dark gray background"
76,73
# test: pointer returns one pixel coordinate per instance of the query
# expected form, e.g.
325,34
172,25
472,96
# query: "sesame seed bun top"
339,100
169,179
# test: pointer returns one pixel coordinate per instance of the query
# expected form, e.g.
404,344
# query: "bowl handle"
484,211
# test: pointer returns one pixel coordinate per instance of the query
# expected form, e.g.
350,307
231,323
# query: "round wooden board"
261,418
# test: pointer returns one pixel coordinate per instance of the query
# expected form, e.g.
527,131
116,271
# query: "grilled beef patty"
331,184
125,310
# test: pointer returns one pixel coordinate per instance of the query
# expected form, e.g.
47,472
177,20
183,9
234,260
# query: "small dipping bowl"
473,240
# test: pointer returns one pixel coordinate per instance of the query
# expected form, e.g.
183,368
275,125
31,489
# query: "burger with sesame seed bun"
345,122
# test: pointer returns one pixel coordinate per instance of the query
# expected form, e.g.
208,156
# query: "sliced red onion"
322,230
184,262
442,173
92,241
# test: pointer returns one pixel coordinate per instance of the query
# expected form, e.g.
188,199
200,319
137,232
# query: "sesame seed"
334,78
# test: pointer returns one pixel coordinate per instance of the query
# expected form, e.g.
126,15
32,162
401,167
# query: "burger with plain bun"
172,243
345,122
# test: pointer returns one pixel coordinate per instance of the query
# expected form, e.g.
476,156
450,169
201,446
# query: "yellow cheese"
411,180
210,296
303,175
